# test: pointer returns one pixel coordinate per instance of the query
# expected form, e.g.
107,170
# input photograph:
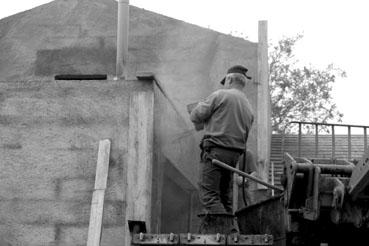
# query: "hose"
243,178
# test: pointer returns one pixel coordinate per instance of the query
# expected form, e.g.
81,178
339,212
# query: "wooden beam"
333,144
263,104
349,143
96,216
365,139
102,167
97,204
140,159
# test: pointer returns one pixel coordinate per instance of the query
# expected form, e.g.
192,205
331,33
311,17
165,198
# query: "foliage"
299,93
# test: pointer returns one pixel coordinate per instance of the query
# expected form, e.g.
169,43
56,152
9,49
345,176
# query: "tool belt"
206,145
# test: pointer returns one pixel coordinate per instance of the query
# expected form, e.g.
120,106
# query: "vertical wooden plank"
140,159
333,143
97,204
159,158
122,39
96,217
316,140
263,103
272,176
349,142
299,140
365,140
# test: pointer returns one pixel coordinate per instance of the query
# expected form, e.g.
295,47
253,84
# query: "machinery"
324,202
201,239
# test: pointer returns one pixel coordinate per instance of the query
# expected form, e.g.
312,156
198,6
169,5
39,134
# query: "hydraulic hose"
243,174
243,168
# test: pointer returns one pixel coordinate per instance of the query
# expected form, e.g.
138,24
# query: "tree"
300,93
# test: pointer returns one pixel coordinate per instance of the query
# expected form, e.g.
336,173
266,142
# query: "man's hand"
190,107
198,127
247,182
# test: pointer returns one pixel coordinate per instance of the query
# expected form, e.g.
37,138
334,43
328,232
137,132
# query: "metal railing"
333,139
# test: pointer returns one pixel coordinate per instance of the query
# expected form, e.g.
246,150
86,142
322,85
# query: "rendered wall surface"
79,36
48,147
176,168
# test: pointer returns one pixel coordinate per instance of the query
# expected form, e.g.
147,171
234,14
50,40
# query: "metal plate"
202,239
245,240
360,177
155,239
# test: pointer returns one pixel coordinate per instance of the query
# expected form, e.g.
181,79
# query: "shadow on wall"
180,203
176,141
75,60
175,169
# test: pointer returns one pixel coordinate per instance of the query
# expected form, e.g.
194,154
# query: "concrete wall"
50,133
48,149
64,121
79,36
176,172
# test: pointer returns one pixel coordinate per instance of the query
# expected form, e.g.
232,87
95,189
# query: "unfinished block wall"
48,152
49,130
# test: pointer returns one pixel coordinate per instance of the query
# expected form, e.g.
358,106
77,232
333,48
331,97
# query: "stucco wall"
48,149
79,36
176,167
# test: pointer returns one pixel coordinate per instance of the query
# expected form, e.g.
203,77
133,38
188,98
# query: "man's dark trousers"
215,182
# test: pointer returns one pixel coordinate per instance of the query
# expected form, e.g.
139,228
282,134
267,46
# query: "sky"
334,32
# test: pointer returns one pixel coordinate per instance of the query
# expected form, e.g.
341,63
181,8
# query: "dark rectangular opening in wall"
81,77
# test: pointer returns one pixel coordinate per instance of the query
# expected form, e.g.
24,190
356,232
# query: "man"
227,118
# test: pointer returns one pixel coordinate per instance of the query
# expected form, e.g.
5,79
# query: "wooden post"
349,143
299,141
140,159
316,140
263,104
333,144
159,159
365,139
97,204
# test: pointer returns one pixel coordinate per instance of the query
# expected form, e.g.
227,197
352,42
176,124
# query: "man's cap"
237,69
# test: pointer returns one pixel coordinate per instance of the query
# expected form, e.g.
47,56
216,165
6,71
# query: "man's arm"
203,111
190,107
